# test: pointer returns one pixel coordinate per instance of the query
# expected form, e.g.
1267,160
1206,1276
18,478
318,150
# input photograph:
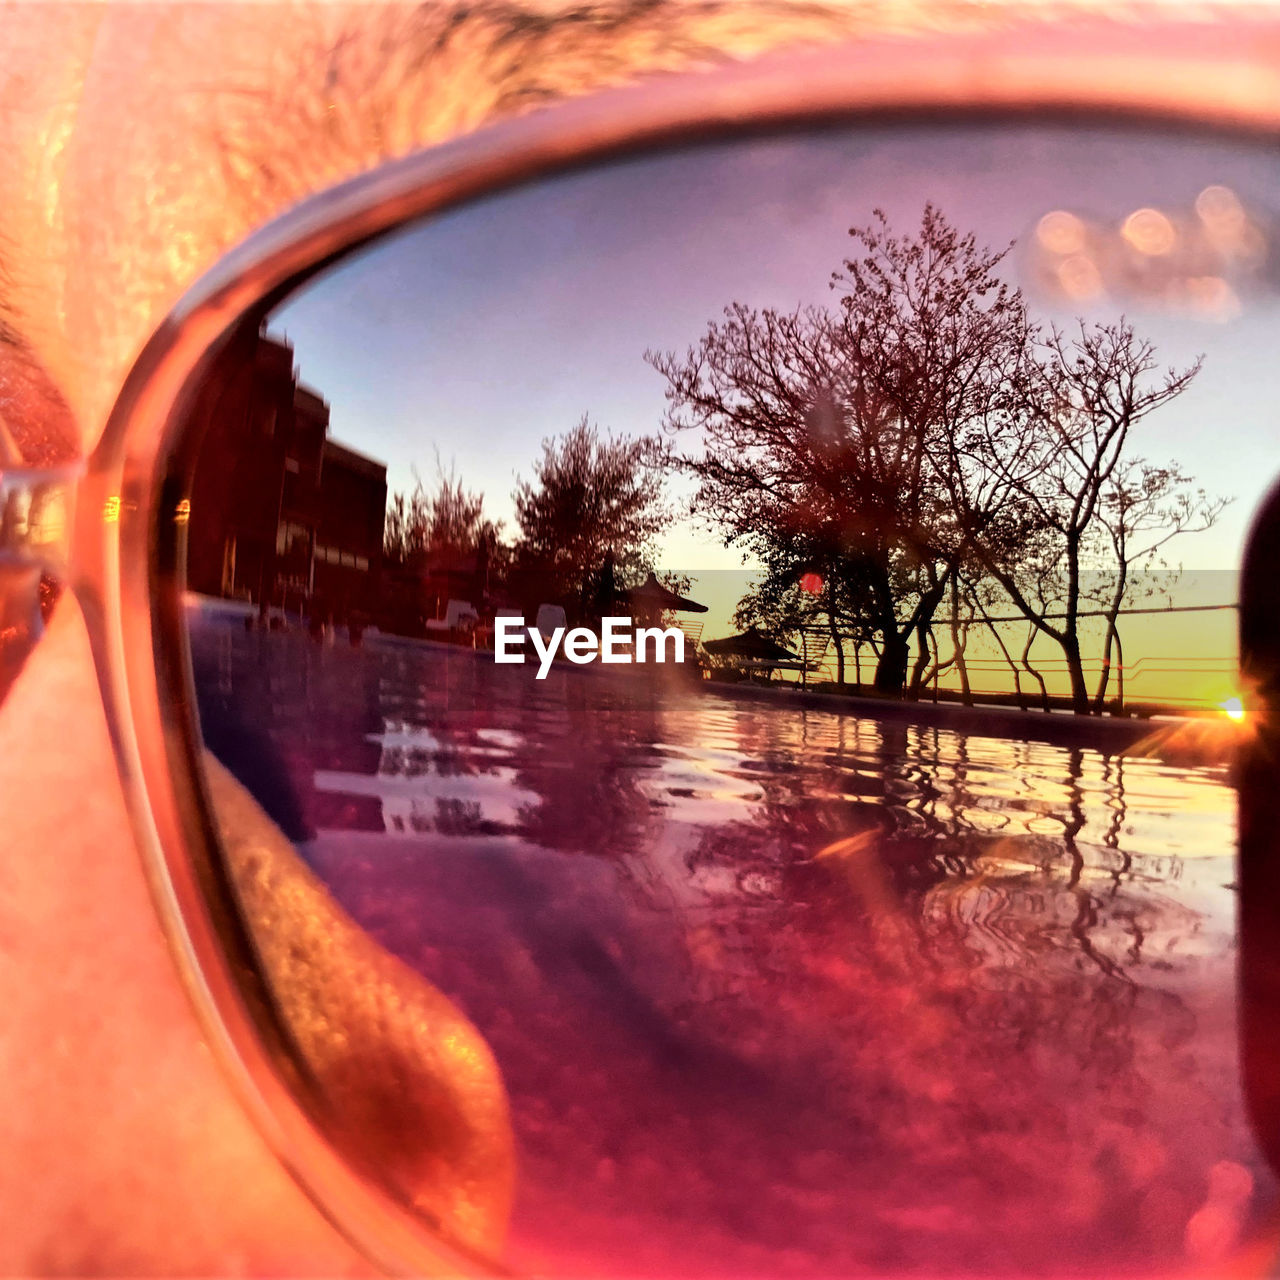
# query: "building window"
293,539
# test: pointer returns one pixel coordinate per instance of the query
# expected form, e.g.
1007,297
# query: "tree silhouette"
798,592
594,505
1089,509
926,440
438,529
859,433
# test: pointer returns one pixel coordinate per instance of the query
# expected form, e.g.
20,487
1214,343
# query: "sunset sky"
483,332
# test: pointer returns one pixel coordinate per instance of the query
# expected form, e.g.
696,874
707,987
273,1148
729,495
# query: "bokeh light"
1150,232
1220,207
1079,277
1061,232
1213,298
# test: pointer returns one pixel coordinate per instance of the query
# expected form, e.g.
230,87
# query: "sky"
479,333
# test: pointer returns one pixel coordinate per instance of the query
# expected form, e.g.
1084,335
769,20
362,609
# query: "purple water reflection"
780,991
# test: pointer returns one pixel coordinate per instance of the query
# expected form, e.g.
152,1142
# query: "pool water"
775,990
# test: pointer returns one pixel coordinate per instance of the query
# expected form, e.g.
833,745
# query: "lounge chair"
460,619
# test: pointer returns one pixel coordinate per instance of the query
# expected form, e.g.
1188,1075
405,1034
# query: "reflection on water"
774,990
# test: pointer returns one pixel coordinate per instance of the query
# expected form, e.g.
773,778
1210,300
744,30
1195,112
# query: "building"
347,559
280,513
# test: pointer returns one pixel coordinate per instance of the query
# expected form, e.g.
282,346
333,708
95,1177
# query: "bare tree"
859,433
927,436
795,465
1144,508
1084,503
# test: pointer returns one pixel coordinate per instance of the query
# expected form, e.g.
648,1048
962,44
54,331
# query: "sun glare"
1234,708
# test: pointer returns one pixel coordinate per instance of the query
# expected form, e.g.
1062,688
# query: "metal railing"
1014,675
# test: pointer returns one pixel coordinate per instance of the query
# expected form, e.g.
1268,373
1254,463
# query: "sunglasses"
686,675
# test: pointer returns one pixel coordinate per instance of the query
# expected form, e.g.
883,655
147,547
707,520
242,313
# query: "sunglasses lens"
719,677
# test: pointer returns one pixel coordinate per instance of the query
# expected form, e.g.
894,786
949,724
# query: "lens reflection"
892,927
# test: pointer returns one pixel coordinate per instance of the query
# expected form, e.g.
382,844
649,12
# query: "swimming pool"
778,990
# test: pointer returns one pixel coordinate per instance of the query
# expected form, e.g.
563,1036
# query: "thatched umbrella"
750,644
651,594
